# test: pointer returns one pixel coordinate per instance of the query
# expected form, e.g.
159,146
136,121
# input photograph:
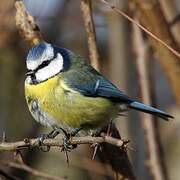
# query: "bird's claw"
40,142
67,147
50,135
43,137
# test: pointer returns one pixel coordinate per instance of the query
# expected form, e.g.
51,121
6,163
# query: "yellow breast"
68,107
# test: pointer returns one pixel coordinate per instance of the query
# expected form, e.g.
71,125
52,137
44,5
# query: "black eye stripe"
45,63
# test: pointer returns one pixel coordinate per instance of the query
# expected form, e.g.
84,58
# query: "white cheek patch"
32,64
53,68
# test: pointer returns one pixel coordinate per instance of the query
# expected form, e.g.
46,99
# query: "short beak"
30,73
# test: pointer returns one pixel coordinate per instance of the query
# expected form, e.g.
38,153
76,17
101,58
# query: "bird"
64,92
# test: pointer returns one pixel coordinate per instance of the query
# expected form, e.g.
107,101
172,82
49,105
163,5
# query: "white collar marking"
54,67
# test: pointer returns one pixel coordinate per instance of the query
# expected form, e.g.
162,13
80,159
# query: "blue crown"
46,51
37,51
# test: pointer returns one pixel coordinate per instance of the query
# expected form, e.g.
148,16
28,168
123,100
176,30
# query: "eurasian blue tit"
63,91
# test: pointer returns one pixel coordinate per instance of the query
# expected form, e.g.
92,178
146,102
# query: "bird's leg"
50,135
75,132
67,147
53,133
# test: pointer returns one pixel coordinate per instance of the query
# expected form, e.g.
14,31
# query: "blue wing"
86,80
102,88
89,82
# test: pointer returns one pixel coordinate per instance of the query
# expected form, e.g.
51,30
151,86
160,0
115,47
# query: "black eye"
45,63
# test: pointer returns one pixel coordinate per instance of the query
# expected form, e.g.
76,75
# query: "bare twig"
153,162
155,37
4,136
169,60
26,25
90,31
30,143
32,171
7,175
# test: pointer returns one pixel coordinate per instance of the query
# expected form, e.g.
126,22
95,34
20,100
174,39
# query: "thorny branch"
32,143
6,175
19,164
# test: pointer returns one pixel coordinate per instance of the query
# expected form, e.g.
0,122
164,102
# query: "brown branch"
26,25
169,62
7,175
90,32
149,10
31,171
19,164
31,143
153,162
150,33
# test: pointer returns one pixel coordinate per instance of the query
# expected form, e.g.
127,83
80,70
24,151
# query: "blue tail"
148,109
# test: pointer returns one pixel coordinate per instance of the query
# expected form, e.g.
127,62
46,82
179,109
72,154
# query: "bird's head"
45,61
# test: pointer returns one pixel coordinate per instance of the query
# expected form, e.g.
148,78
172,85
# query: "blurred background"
61,23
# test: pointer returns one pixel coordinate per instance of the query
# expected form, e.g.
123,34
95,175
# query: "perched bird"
64,92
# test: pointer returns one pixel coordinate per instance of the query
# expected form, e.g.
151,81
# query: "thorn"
18,157
95,150
3,137
125,145
132,149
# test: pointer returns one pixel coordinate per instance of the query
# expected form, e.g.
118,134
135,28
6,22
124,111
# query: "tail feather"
148,109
